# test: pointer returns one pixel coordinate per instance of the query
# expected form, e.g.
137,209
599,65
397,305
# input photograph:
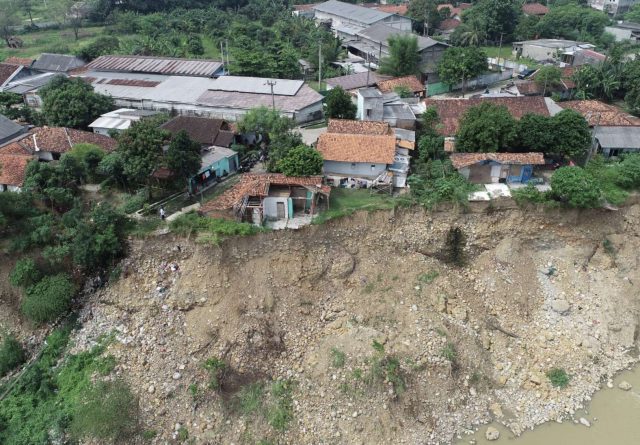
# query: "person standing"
162,213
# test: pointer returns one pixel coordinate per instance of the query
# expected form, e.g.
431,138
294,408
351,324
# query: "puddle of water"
617,411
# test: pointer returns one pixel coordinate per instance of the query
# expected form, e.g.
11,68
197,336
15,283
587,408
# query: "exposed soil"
540,290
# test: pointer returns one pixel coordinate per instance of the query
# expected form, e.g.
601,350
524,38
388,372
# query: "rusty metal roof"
156,65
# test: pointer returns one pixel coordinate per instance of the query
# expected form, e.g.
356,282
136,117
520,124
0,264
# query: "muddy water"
614,416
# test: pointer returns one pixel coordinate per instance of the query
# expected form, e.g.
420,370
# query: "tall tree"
425,15
301,161
486,128
461,64
140,147
572,136
266,122
403,56
497,18
548,77
27,7
72,103
536,133
338,104
183,156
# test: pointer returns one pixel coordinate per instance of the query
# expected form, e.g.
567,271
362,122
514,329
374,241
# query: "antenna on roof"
271,83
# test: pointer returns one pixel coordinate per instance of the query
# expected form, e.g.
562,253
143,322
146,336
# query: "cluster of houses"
372,151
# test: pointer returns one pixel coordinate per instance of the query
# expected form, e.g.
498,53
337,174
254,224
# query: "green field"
54,40
344,202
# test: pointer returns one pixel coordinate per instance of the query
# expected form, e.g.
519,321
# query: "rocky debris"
492,433
584,422
276,305
624,385
560,306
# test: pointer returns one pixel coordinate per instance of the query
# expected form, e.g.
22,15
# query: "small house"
49,143
492,168
118,120
205,131
217,162
266,197
13,169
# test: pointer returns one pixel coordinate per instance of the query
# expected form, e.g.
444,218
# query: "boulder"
560,306
624,385
492,433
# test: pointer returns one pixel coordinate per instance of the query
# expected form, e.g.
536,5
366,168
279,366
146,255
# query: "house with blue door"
493,168
217,163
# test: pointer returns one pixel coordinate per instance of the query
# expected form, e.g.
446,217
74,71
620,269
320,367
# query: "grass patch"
44,400
345,202
144,227
280,412
52,40
338,358
558,377
428,277
368,288
11,355
216,368
250,398
384,368
505,53
210,230
449,352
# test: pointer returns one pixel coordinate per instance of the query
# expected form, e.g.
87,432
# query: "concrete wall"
10,188
358,169
374,104
394,21
270,206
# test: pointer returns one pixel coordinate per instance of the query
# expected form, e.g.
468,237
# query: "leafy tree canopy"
183,156
140,147
486,128
72,103
572,137
461,64
403,56
575,187
265,121
301,161
338,104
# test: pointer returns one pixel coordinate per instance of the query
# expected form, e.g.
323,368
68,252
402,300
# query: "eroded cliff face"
460,346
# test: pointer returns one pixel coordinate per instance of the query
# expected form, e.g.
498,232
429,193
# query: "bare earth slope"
541,290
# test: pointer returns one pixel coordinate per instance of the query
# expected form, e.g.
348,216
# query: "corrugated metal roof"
257,85
380,33
157,65
352,12
618,137
60,63
112,123
26,84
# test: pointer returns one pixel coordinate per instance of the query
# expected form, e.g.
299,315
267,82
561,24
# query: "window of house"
353,165
368,112
516,170
373,166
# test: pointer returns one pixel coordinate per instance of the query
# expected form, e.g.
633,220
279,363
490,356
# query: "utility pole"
319,65
379,55
224,67
271,83
500,50
227,45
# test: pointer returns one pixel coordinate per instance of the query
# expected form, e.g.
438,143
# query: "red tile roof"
357,148
252,184
601,114
60,139
450,111
13,169
461,160
359,127
15,148
449,24
7,71
26,62
393,9
411,82
535,9
200,129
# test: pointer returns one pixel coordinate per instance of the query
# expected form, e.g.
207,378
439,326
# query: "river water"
614,416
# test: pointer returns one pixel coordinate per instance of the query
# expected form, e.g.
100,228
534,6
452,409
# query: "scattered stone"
151,389
176,376
585,422
624,385
492,433
560,306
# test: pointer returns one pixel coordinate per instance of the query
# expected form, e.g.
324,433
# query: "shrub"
216,368
558,377
281,412
575,187
249,399
48,299
428,277
25,273
108,411
529,194
216,229
11,355
338,358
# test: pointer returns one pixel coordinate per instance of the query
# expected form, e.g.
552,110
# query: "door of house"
280,210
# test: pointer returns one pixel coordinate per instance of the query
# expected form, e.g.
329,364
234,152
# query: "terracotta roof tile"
449,24
15,148
258,185
411,82
535,9
357,148
393,9
359,127
7,70
450,111
601,114
461,160
200,129
13,169
22,61
61,139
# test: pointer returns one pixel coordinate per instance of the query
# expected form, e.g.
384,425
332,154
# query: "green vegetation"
250,398
486,127
403,56
280,411
434,182
339,105
385,368
301,161
459,64
345,202
210,230
48,299
338,358
216,369
558,377
449,352
12,355
183,157
107,411
428,277
44,401
25,273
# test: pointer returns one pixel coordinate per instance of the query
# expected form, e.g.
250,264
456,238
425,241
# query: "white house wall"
358,169
270,206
